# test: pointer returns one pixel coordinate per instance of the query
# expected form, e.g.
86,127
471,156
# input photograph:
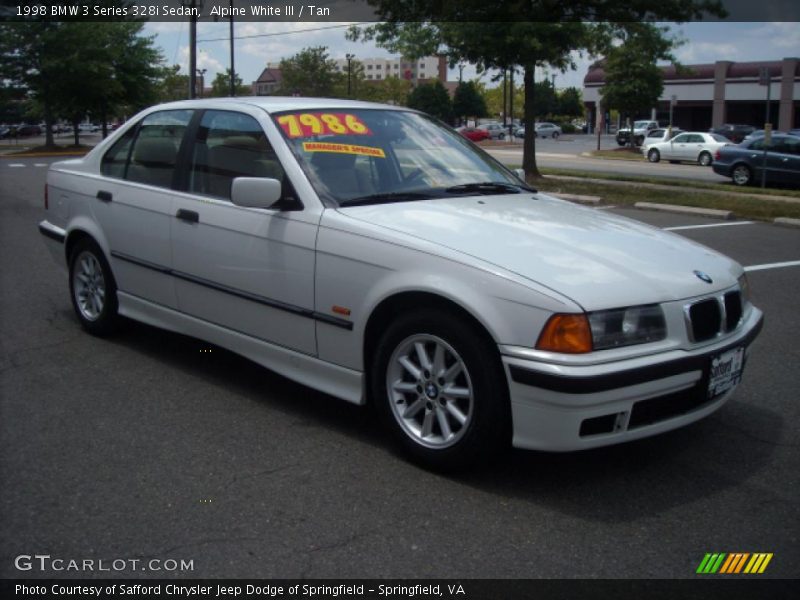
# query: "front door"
245,269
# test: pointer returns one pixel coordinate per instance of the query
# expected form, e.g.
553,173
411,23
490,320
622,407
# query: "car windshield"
363,156
640,124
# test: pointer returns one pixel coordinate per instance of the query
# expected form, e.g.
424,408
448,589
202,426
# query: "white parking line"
780,265
41,164
605,207
682,227
16,165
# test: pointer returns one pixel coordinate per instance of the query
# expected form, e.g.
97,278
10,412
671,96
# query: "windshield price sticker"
343,149
311,124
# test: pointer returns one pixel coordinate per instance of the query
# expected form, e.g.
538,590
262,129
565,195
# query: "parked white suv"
366,251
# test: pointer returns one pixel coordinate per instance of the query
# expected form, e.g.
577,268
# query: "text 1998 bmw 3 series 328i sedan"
371,253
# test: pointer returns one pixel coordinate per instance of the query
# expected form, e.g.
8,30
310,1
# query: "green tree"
544,34
392,90
633,80
221,85
310,72
172,84
468,102
72,69
432,98
569,102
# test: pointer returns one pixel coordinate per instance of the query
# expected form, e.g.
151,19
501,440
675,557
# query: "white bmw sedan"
691,146
371,253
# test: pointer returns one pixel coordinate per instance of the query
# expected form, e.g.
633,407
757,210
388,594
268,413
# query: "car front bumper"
565,408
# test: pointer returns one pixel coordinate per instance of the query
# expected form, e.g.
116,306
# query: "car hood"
597,259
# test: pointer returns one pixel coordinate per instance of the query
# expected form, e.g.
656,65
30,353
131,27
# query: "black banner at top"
337,10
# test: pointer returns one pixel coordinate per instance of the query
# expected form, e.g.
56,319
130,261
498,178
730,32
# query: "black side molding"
603,383
104,196
290,308
53,235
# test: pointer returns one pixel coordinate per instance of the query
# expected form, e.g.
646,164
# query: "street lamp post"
349,58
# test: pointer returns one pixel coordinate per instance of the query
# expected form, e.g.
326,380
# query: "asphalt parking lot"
155,445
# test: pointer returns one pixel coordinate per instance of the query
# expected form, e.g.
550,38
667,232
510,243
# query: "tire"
445,420
92,289
654,156
704,159
502,136
620,143
742,175
555,135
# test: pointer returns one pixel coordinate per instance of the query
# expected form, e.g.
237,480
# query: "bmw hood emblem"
703,276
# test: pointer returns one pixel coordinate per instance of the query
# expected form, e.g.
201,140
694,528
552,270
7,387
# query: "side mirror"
255,192
520,173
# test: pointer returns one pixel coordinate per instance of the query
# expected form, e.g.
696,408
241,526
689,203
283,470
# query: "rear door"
783,160
246,269
133,204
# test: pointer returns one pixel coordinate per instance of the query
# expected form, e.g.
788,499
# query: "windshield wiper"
489,187
384,197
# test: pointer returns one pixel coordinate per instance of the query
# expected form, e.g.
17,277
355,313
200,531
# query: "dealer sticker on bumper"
726,372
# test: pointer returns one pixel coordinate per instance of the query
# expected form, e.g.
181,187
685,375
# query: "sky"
703,43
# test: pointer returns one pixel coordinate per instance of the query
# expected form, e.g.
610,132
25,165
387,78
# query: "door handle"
104,196
188,215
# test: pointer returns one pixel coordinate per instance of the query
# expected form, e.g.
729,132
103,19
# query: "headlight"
744,286
627,326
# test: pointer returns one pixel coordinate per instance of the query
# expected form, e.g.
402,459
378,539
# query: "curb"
787,222
689,210
578,198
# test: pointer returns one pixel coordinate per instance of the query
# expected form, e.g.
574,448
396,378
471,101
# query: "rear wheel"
653,156
555,135
704,159
440,389
93,289
742,175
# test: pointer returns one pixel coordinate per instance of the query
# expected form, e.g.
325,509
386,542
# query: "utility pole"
765,79
511,102
233,71
505,97
202,73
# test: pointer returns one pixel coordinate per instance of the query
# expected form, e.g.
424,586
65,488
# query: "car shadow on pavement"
656,474
639,479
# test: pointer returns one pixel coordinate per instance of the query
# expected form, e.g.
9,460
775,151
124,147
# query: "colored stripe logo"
734,563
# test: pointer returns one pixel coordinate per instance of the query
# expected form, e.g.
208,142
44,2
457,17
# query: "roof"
270,75
736,70
278,103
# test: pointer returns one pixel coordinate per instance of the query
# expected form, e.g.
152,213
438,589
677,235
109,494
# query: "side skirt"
335,380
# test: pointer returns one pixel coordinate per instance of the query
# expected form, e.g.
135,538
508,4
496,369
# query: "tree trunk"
103,121
529,121
75,132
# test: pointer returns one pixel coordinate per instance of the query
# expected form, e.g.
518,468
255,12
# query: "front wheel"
704,159
441,390
93,289
555,135
653,156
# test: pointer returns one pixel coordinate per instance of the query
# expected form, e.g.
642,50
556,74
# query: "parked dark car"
744,163
26,130
735,133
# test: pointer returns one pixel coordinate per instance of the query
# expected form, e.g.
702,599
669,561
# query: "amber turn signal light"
566,333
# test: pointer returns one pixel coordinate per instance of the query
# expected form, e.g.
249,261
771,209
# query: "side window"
230,145
696,139
758,145
115,160
155,151
681,139
787,145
